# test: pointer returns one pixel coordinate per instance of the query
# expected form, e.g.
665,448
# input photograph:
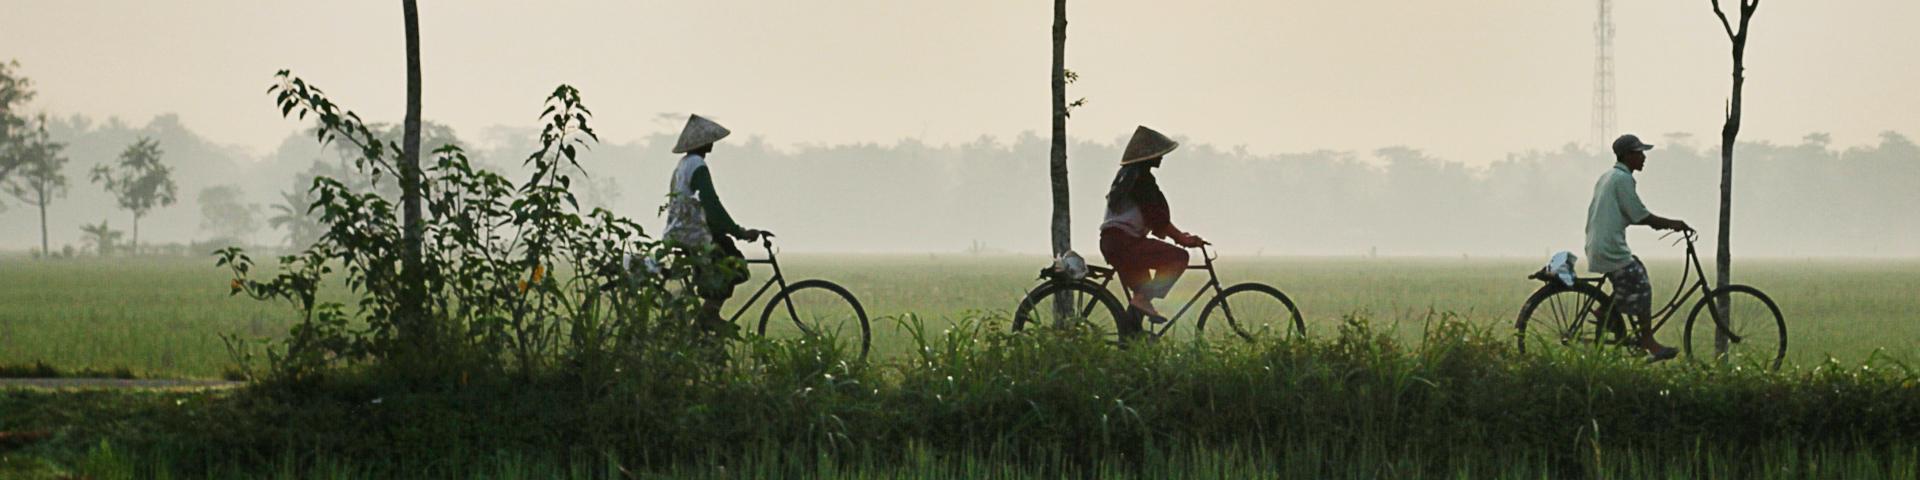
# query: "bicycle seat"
1547,276
1093,272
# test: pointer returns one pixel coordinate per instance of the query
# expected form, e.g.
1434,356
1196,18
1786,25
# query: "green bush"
519,279
1461,400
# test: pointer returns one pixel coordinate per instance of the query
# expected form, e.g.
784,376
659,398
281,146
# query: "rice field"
164,316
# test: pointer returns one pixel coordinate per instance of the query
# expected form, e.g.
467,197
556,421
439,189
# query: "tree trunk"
1723,255
1062,207
45,252
136,234
414,323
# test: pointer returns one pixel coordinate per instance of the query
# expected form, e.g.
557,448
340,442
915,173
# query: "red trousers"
1144,264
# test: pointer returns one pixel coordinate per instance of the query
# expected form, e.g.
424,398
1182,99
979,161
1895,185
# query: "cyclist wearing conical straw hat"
696,218
1616,205
1137,210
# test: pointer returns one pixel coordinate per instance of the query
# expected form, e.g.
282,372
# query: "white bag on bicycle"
1071,265
1561,266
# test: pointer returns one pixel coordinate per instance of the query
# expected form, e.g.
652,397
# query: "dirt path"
112,383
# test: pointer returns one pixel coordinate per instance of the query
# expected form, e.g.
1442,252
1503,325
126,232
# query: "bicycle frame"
1213,284
779,278
1683,293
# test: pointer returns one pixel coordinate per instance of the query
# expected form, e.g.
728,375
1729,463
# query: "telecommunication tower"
1604,115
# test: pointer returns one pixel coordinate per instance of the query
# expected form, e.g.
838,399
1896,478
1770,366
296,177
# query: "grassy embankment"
971,401
163,317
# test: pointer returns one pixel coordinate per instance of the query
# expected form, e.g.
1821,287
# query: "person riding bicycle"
1136,209
696,219
1616,205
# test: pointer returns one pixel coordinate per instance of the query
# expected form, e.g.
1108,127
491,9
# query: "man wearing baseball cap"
1616,205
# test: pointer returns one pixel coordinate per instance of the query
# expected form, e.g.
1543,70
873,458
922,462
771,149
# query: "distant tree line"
1806,198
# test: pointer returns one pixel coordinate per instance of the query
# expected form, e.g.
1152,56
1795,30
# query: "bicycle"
829,309
1250,309
1753,326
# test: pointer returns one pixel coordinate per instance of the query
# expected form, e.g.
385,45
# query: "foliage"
140,182
1355,404
290,216
15,90
224,211
102,239
520,277
39,168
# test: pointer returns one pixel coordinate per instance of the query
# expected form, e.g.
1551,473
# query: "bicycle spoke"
1560,318
817,314
1756,339
1249,311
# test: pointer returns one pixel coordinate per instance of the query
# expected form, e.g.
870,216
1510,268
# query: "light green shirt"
1616,204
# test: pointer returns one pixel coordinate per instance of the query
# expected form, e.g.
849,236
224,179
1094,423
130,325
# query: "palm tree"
291,216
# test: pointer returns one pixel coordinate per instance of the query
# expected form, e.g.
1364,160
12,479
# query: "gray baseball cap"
1629,143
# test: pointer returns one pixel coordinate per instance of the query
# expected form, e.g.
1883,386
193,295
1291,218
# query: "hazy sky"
1468,80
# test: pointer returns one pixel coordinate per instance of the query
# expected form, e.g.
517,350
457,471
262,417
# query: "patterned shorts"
1632,293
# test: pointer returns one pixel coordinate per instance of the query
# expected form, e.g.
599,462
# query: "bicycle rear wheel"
1250,310
818,309
1759,332
1086,305
1559,316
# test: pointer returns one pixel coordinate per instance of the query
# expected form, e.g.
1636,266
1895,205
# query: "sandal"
1663,354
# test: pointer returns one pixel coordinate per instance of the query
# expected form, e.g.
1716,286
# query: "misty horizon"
1310,129
766,185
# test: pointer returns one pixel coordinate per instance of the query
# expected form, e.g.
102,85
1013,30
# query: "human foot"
1145,307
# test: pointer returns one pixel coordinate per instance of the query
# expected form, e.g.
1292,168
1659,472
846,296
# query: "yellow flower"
236,285
523,286
538,270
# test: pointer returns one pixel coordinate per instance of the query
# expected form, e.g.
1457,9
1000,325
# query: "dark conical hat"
1147,145
700,132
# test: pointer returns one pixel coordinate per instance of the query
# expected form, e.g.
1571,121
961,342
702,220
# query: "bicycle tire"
1569,312
781,300
1096,296
1762,333
1246,330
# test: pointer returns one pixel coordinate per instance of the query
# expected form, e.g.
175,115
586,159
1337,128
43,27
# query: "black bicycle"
1250,310
812,307
1746,325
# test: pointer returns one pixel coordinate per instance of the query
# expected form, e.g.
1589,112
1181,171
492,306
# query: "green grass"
162,316
1783,462
973,403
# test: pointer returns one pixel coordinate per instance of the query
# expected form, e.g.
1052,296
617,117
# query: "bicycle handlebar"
1688,236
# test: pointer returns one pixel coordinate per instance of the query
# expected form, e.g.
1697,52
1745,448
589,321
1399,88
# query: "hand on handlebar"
752,235
1191,241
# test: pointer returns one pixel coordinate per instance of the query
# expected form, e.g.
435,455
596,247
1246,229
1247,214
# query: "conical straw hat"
700,132
1147,145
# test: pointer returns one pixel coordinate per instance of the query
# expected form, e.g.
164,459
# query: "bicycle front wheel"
1250,310
818,309
1560,316
1757,331
1069,304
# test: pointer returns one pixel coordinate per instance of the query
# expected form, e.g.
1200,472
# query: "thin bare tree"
1062,214
1723,258
413,275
